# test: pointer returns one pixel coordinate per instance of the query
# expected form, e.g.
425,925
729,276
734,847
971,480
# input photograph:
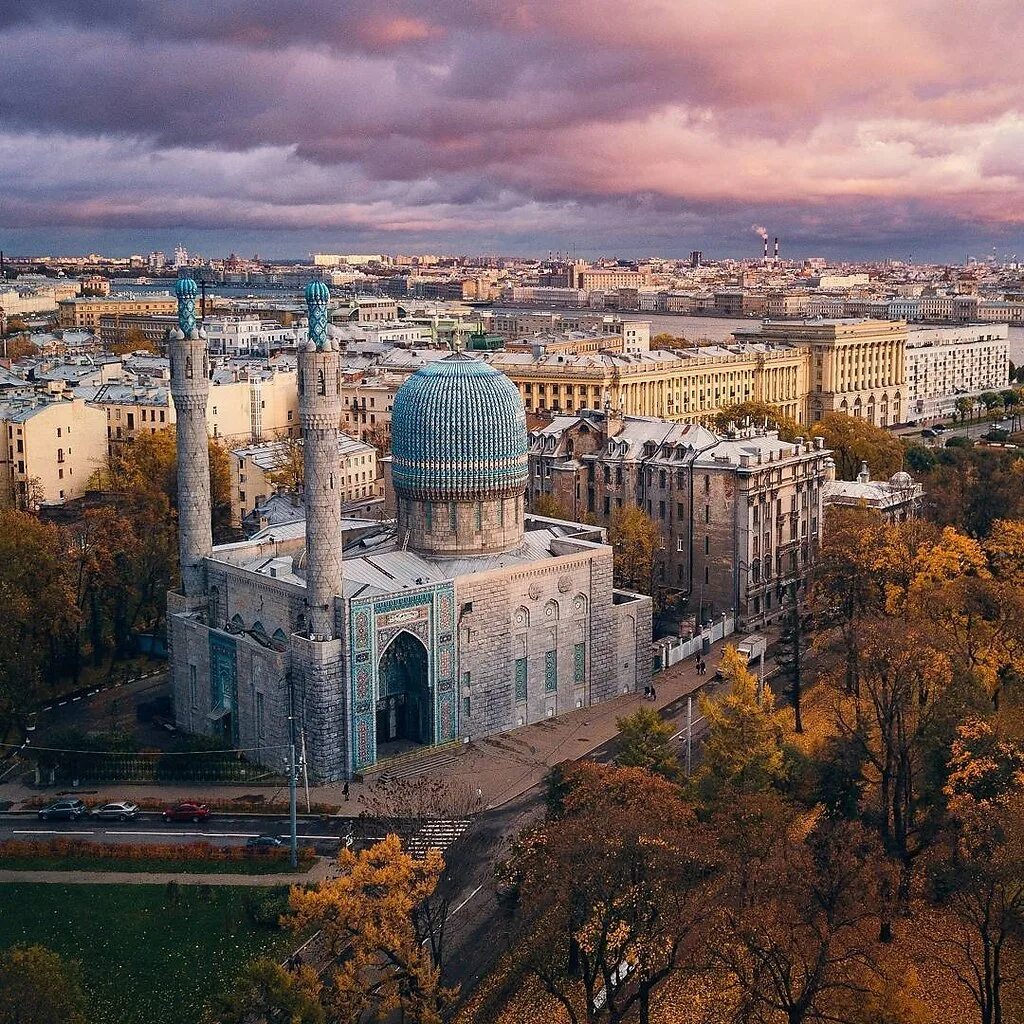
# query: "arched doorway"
404,714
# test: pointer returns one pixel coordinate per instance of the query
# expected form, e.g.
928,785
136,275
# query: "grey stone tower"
190,389
318,650
320,416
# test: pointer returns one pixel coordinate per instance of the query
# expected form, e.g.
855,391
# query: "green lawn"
147,958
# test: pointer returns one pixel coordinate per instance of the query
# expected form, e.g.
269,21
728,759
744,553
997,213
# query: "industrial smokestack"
766,248
759,229
776,246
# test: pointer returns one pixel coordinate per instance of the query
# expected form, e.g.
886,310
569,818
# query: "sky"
881,128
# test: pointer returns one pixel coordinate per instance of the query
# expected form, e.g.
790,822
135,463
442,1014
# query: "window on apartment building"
707,544
58,431
607,506
607,474
707,513
60,454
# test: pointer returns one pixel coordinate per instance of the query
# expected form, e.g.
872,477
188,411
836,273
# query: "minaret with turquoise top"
320,416
190,390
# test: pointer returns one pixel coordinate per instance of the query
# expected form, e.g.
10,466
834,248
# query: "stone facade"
464,620
190,387
739,515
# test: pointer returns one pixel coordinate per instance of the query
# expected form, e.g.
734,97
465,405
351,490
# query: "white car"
121,811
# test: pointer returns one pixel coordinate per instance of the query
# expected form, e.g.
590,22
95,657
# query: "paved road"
221,830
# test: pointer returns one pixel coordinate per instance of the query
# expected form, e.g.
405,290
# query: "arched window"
321,383
188,367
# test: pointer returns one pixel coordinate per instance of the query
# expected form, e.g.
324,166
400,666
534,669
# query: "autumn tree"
20,346
289,472
799,918
853,440
760,414
670,341
381,962
634,539
135,340
267,993
37,986
38,610
902,676
645,741
621,881
548,505
743,749
979,880
794,645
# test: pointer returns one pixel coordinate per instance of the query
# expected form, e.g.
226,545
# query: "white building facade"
947,363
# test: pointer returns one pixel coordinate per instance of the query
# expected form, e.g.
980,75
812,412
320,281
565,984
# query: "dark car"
65,809
928,432
265,842
119,811
187,811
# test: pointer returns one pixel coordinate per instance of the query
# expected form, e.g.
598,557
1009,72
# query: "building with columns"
462,618
856,367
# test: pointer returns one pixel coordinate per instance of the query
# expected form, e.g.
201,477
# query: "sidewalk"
317,873
502,767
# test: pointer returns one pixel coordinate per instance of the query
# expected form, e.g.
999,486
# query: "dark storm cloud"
649,123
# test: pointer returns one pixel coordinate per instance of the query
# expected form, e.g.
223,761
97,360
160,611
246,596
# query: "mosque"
463,618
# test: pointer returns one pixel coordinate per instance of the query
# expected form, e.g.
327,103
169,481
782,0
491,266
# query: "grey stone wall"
461,528
324,701
190,388
320,414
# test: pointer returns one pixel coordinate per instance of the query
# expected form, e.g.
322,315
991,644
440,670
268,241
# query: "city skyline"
892,130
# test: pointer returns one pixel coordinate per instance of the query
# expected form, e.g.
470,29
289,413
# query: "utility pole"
293,776
689,734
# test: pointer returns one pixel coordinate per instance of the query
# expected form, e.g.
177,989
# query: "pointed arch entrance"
404,707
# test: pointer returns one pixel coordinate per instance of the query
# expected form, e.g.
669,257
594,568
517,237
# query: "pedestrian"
345,789
647,691
654,696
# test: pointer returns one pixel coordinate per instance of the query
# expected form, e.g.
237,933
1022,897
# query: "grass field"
148,957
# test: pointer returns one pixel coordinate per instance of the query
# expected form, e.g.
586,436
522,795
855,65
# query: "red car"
187,811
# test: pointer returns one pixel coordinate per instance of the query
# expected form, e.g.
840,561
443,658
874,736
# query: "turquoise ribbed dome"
458,432
317,291
186,288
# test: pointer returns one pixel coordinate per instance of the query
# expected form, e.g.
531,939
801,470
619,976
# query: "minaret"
320,416
190,389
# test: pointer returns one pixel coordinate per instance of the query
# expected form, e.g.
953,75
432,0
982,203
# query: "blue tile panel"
186,290
318,297
458,432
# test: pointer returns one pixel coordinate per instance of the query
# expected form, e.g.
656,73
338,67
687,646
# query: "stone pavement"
500,767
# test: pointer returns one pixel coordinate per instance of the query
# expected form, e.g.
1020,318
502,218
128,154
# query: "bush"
266,908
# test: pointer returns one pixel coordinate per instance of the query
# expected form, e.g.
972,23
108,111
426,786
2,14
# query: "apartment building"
687,385
947,363
244,406
248,336
86,312
50,450
260,470
740,516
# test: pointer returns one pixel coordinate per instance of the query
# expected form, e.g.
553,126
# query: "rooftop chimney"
776,246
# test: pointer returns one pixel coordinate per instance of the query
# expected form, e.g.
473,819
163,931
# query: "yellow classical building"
688,385
856,367
86,312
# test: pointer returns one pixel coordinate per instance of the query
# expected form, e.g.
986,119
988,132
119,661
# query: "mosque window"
579,663
520,680
479,516
501,513
550,671
453,517
428,512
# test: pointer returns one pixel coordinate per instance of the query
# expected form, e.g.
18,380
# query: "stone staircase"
416,762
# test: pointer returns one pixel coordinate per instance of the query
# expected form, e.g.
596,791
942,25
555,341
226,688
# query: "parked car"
118,811
65,809
187,811
265,842
928,432
939,428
